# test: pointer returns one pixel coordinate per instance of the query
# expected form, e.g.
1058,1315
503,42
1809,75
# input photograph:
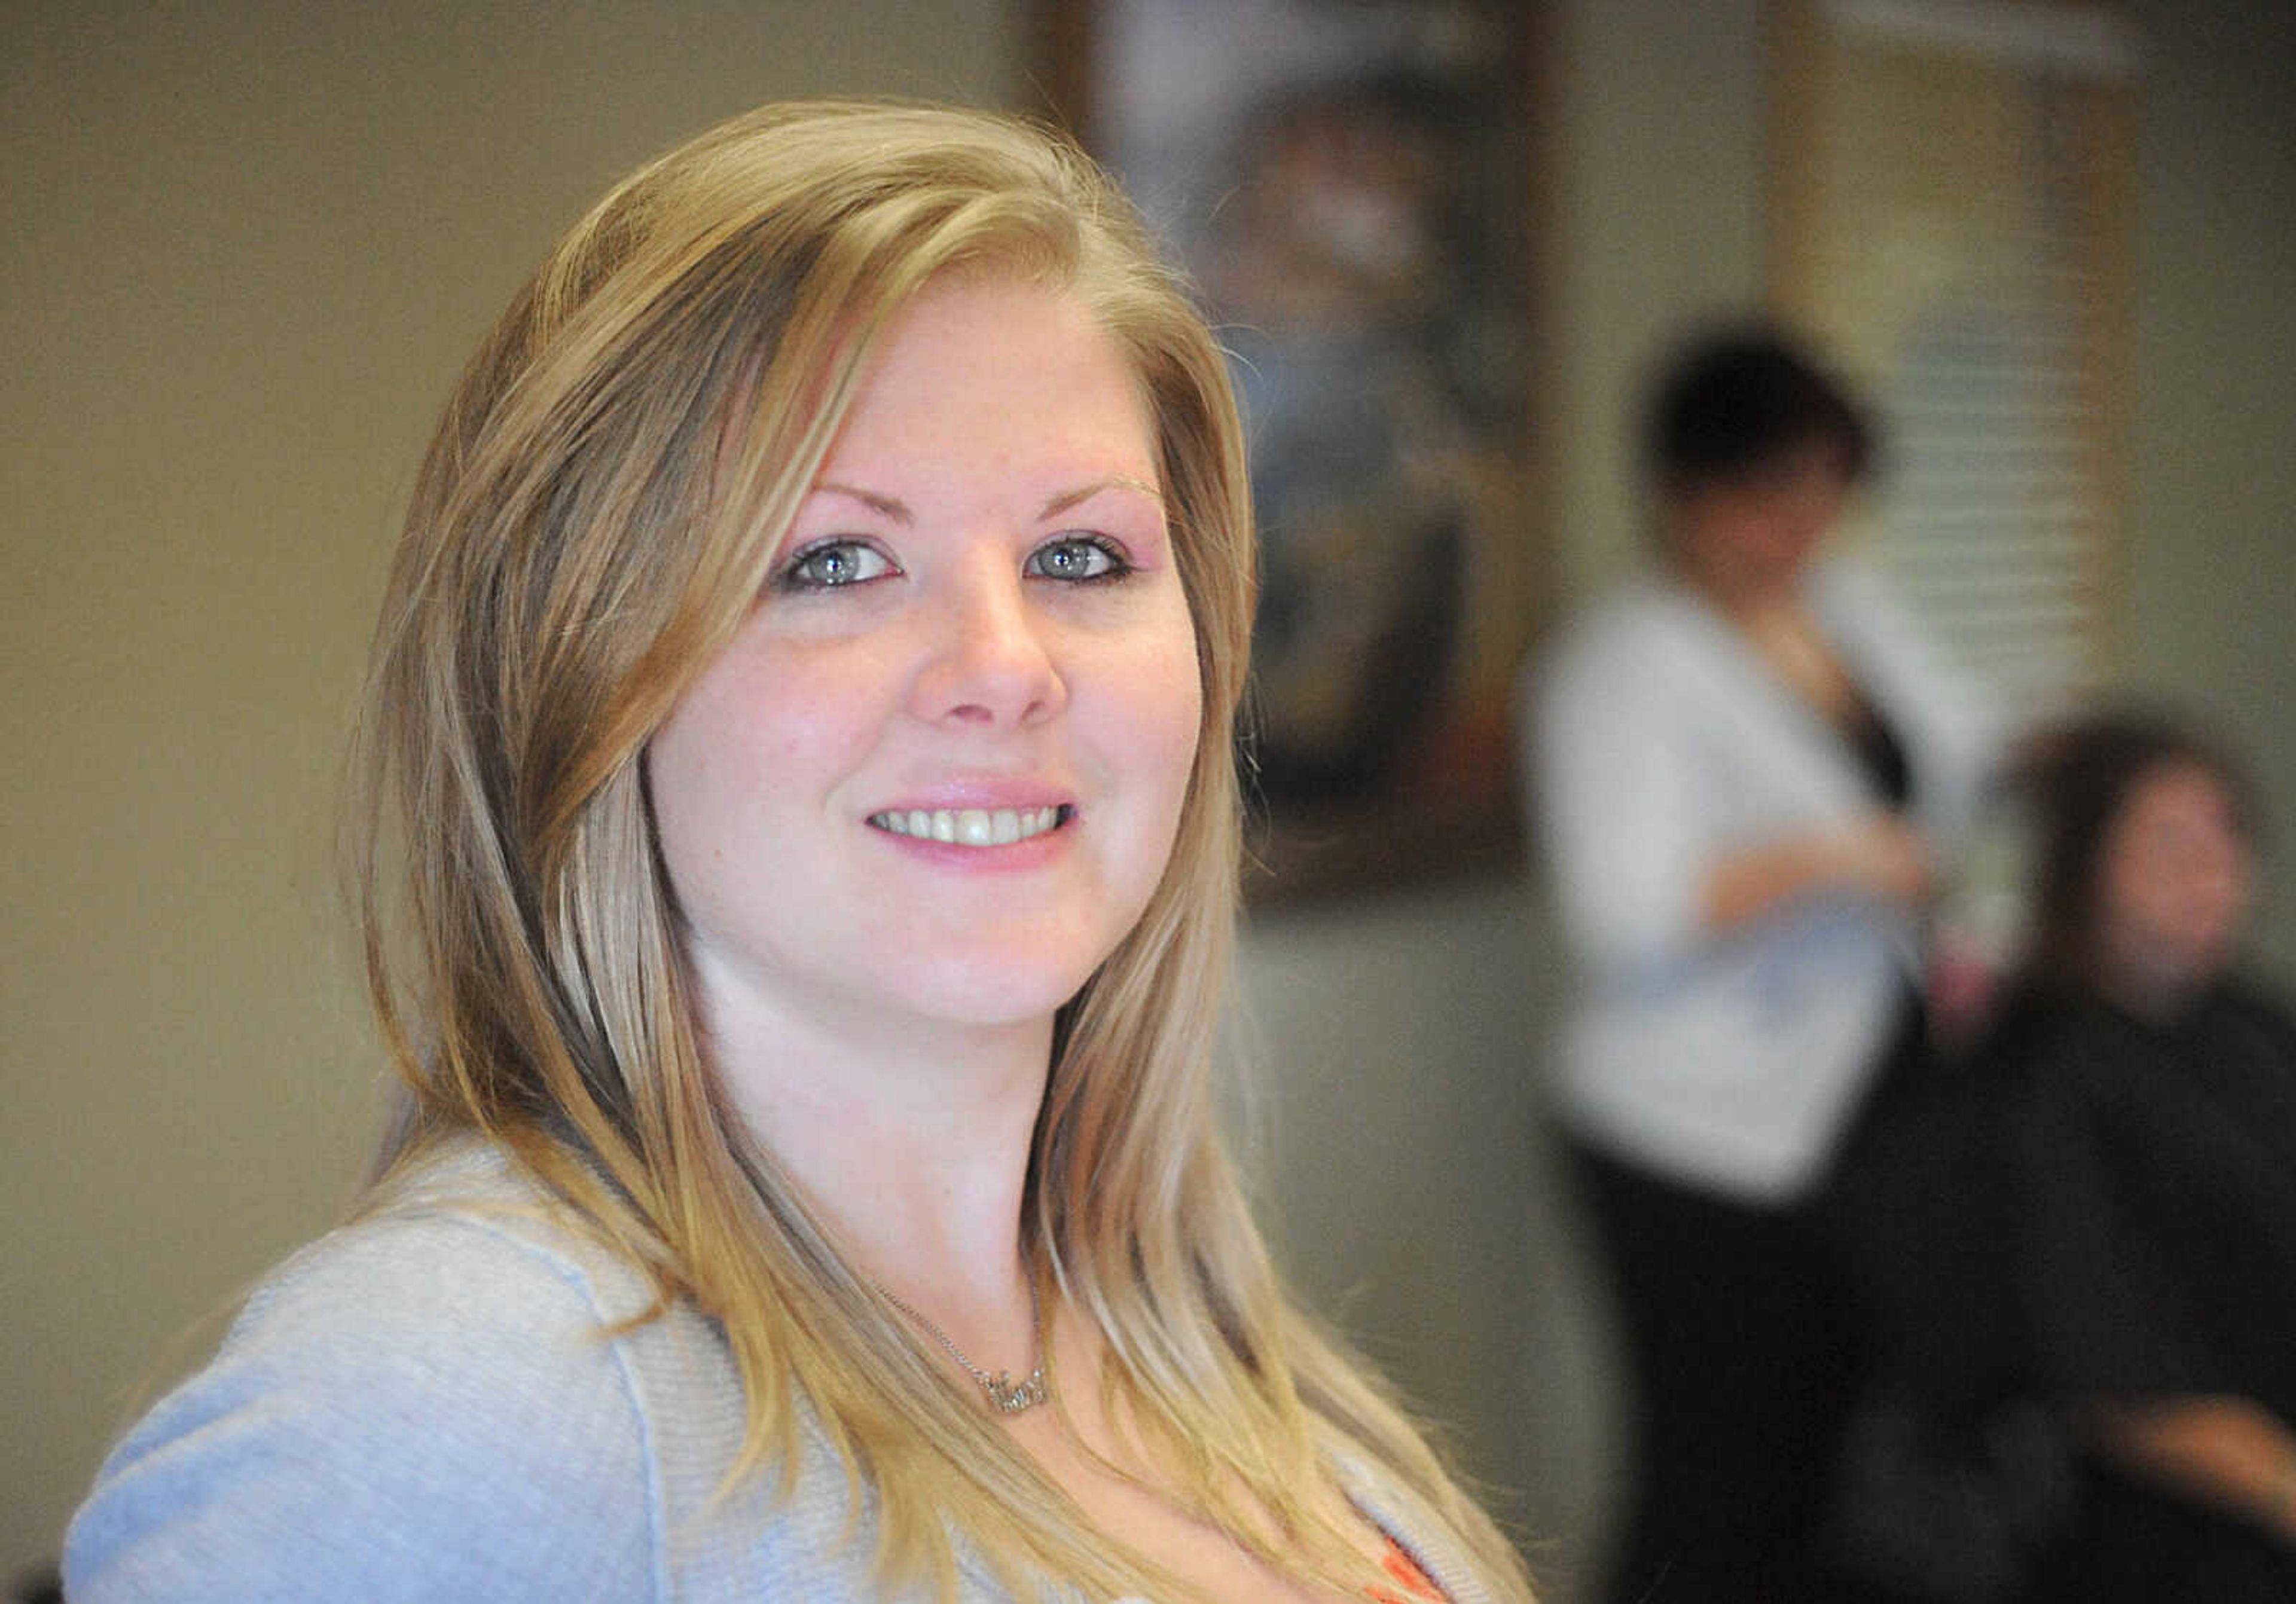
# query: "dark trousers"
1740,1337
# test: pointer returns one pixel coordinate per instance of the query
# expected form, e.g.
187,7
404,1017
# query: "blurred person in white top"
1740,770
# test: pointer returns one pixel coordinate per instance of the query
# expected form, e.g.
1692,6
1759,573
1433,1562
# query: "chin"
985,975
995,993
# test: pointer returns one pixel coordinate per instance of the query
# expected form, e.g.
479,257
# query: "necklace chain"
1006,1394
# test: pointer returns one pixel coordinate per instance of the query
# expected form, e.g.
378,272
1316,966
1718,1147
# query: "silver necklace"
1006,1394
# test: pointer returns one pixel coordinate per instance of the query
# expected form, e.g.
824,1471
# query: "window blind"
1952,179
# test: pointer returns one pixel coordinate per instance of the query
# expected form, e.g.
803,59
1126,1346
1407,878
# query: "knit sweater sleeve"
411,1408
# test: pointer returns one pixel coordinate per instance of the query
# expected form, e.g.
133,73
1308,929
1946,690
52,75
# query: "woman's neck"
911,1137
1765,607
2148,990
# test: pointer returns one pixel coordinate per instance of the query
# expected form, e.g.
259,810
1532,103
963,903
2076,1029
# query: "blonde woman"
797,832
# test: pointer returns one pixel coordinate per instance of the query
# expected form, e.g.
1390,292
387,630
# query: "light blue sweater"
425,1405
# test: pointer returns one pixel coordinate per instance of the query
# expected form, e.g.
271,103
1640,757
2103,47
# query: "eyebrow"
890,506
1062,503
894,508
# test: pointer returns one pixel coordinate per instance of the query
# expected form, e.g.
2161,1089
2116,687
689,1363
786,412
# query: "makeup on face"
941,768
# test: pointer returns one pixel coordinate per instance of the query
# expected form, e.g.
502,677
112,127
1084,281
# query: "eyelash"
792,578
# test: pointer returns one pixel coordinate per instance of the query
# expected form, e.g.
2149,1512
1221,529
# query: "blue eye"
1080,559
832,565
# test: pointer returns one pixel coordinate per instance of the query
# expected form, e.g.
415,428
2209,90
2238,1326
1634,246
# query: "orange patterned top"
1417,1583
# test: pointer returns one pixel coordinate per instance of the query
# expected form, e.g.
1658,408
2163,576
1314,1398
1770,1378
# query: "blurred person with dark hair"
1739,769
2150,1115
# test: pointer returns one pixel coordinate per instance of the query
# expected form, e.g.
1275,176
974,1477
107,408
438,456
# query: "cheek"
1138,731
1167,713
782,719
2221,884
748,743
2134,898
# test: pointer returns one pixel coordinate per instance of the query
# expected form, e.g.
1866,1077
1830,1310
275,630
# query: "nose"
991,662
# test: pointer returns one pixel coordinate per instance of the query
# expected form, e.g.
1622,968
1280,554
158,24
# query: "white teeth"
969,826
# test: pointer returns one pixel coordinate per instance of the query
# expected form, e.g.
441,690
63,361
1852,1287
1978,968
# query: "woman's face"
1765,527
940,771
2174,883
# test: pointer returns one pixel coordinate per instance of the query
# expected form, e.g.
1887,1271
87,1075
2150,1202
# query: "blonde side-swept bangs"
596,512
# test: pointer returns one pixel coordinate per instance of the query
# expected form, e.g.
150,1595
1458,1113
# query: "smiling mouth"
972,826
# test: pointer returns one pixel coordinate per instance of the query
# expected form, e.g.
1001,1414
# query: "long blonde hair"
598,507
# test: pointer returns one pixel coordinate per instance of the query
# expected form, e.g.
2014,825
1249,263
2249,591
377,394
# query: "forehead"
2180,793
1815,461
1003,365
960,303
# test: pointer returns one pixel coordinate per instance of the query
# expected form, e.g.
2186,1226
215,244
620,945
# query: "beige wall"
2209,579
245,249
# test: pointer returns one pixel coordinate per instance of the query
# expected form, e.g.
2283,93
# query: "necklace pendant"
1005,1395
1014,1397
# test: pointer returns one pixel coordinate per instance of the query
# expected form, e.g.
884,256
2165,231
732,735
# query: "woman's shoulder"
1641,632
2066,1063
468,1264
1644,607
430,1402
1850,579
2250,1003
1878,627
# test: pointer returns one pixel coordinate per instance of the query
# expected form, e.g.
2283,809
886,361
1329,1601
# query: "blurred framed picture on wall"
1348,183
